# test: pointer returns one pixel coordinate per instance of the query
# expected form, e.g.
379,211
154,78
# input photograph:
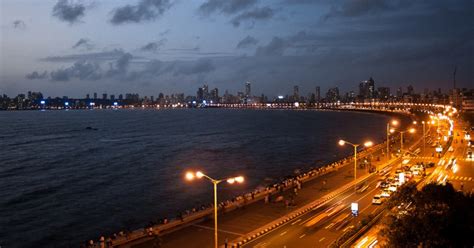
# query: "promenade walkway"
257,212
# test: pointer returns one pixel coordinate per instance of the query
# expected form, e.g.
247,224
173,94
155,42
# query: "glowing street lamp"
231,180
394,123
366,144
411,130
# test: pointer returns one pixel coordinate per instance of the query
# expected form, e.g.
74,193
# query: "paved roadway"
462,175
329,228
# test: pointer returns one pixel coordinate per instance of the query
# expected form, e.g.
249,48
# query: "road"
453,167
331,220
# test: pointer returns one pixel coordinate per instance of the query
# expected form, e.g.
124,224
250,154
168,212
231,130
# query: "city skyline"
75,47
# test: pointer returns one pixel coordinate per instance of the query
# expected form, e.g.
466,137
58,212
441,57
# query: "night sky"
74,47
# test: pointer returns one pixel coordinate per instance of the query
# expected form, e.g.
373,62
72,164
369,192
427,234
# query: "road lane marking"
323,238
296,221
302,236
283,233
220,230
330,225
345,229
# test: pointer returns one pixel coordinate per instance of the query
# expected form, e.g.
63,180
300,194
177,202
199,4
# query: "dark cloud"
84,44
19,24
247,42
145,10
153,46
99,56
91,70
225,6
195,49
263,13
166,32
120,67
198,67
68,11
82,70
276,47
354,8
37,75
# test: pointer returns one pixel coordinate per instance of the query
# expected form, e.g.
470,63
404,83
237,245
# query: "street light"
424,136
366,144
231,180
411,130
394,123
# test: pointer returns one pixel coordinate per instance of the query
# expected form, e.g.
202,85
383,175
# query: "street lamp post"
394,123
411,130
424,136
231,180
366,144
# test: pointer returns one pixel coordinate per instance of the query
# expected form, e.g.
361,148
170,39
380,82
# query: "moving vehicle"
328,213
385,193
377,200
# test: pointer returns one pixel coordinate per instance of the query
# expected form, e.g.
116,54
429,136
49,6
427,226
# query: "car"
451,149
377,200
393,187
385,193
384,184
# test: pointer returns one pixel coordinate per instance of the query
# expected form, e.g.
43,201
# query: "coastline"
199,214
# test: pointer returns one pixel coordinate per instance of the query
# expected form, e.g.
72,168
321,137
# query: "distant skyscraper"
399,92
247,90
332,95
384,93
215,95
371,88
95,96
200,94
88,97
296,92
410,90
104,96
367,89
112,97
120,97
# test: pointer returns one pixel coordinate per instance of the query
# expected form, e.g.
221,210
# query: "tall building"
88,97
332,95
371,88
95,96
112,97
296,93
318,94
367,89
384,93
399,92
248,92
410,90
104,96
200,94
215,95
